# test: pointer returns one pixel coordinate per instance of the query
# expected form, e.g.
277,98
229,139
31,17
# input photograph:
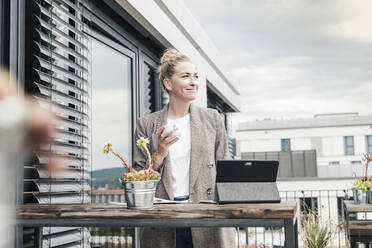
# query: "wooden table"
163,215
358,222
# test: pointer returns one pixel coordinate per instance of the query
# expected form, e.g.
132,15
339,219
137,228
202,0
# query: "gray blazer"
208,144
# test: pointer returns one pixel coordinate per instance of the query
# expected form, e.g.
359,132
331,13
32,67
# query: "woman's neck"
178,109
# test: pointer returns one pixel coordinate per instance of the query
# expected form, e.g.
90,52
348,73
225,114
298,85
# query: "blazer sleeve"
221,148
139,156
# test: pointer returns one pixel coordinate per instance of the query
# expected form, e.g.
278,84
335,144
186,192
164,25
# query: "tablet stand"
247,192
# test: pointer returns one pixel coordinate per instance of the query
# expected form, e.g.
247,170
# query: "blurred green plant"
364,183
316,234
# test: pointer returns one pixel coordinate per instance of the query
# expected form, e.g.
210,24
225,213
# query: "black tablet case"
247,181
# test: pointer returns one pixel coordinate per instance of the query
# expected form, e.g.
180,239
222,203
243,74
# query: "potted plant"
139,186
315,233
362,187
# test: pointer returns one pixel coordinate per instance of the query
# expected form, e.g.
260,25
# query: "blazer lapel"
166,172
196,139
160,121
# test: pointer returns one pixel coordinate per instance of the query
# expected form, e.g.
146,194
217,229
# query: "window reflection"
111,105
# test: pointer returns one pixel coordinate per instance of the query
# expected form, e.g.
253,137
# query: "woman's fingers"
165,135
160,130
173,141
170,139
166,139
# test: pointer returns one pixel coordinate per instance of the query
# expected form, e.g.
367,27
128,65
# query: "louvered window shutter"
57,76
149,74
216,102
151,88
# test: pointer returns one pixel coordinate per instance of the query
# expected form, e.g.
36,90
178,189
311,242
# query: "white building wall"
301,143
327,141
305,132
360,144
263,145
333,146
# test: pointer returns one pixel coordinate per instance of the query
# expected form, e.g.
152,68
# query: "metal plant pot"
140,194
361,196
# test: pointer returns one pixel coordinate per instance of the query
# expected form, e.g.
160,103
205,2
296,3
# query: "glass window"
332,163
111,104
369,144
349,145
356,162
286,145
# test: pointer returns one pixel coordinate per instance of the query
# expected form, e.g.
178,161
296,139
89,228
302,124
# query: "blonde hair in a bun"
171,57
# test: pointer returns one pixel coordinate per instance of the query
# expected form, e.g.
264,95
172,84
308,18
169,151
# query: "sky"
293,59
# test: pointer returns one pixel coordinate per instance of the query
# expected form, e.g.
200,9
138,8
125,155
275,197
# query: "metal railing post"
137,237
38,240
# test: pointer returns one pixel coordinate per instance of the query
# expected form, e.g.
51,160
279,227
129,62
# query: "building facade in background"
319,158
336,141
94,64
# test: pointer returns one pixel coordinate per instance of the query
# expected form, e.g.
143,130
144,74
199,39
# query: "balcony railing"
328,204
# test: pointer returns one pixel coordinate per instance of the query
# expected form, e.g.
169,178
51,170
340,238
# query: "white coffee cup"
170,127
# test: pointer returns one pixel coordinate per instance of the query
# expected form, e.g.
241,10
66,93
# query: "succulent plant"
142,144
133,175
108,147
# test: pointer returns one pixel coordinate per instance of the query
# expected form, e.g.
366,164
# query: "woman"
186,158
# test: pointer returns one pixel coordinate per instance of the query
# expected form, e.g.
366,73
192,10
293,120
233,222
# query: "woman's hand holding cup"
166,138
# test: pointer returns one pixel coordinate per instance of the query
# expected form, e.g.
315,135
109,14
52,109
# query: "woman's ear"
167,84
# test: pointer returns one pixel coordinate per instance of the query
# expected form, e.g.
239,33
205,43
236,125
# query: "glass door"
112,113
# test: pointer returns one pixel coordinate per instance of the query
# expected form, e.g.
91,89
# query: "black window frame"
4,33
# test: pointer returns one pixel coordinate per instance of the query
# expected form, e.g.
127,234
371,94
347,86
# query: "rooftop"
321,120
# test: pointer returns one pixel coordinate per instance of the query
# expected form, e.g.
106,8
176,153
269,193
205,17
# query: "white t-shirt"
179,154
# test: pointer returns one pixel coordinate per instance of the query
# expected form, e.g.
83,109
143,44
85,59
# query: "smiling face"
183,84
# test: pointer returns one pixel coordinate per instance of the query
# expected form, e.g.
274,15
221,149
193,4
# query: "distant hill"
107,176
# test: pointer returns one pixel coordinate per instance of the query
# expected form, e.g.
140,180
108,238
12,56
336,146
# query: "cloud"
293,58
